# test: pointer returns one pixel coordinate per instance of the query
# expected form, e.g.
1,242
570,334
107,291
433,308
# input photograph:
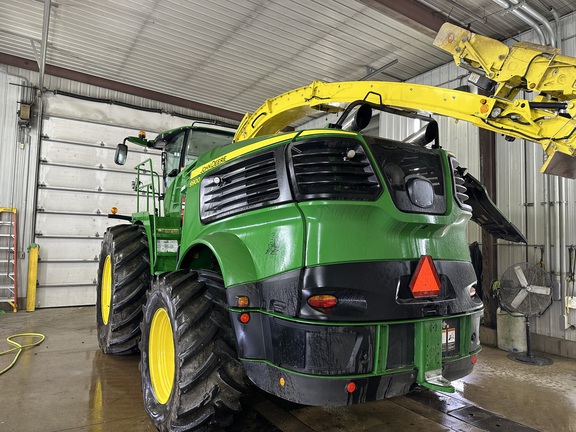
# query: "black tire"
204,386
123,279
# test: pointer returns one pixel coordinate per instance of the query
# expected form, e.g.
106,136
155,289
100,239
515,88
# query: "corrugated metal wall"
16,152
535,201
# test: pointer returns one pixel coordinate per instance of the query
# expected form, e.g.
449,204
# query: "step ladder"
8,257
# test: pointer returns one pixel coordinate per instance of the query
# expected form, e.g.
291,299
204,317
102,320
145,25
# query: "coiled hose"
18,347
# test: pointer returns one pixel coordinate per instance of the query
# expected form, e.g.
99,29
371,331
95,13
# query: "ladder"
8,257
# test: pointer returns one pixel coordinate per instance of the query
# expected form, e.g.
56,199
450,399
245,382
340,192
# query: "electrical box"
24,112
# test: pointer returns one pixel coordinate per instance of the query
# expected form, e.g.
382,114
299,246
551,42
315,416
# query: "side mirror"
121,154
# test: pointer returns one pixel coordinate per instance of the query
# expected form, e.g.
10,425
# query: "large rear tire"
192,379
123,279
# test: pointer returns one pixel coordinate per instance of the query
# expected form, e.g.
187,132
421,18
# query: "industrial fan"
526,289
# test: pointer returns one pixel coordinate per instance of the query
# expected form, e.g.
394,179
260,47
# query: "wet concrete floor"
67,384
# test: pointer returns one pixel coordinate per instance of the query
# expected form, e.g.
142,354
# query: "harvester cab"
181,146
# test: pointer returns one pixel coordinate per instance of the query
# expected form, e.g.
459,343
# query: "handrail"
145,186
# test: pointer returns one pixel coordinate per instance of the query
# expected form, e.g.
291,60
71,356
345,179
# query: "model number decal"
167,246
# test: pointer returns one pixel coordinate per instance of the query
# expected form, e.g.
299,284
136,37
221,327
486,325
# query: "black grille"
332,169
241,186
460,191
414,175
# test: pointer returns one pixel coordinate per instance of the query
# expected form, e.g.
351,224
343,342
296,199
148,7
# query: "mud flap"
428,355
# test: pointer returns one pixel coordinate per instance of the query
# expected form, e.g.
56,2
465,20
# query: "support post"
489,250
33,249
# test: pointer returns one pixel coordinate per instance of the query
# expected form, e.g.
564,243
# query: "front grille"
413,174
460,190
332,169
244,185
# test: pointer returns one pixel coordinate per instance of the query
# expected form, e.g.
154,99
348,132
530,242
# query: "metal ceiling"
234,54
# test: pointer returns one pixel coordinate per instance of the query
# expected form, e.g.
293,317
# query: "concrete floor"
67,384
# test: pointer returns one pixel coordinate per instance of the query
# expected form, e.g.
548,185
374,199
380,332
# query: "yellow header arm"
548,122
524,66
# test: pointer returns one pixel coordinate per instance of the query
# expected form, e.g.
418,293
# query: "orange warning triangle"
425,281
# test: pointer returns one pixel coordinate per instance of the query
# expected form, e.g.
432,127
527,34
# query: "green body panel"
348,231
381,349
281,238
249,246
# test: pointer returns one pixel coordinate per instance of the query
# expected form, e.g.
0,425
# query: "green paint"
381,349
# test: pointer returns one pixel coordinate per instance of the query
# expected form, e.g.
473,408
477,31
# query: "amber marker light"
242,301
245,318
322,301
114,210
142,135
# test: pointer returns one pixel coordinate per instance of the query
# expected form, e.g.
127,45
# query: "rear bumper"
312,363
314,390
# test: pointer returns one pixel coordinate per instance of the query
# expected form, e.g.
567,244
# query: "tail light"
322,301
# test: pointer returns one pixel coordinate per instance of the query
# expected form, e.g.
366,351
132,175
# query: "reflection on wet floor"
67,384
543,397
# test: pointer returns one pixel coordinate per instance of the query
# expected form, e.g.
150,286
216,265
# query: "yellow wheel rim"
106,290
161,355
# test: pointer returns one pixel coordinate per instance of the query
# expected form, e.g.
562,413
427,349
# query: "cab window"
173,155
200,141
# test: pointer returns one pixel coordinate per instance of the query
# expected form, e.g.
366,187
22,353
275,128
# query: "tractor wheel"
123,278
192,379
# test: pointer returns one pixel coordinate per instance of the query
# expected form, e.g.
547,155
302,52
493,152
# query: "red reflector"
350,387
244,318
425,281
322,301
474,359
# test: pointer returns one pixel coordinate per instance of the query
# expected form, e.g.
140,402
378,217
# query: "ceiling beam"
81,77
412,13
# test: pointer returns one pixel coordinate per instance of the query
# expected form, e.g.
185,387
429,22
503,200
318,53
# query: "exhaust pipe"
423,136
551,40
504,4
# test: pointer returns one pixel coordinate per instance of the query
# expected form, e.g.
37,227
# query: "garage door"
78,183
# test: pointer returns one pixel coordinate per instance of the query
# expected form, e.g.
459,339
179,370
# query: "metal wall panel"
17,149
533,200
